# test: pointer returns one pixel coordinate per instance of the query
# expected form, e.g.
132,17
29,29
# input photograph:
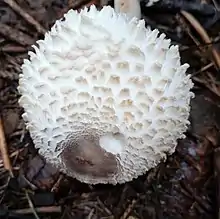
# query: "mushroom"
131,8
105,99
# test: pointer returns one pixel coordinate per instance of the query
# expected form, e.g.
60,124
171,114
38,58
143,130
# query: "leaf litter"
187,185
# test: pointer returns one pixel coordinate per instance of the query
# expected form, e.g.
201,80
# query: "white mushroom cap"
105,99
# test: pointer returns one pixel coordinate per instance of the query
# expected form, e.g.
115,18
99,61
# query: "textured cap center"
86,157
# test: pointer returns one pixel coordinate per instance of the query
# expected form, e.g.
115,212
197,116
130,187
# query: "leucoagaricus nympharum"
105,98
131,8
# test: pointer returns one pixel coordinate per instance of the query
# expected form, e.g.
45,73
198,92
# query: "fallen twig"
4,151
26,16
204,35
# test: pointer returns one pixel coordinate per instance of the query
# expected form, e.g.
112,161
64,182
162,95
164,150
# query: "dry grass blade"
26,16
204,35
4,151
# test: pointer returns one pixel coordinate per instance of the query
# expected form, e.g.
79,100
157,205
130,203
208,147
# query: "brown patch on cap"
86,157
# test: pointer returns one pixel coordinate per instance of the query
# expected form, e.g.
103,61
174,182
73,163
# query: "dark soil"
184,187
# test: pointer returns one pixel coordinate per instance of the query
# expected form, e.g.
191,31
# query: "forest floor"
184,187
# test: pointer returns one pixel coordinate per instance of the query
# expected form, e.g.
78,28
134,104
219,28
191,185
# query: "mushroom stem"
131,8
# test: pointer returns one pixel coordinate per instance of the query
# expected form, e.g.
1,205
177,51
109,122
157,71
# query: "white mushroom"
131,8
105,99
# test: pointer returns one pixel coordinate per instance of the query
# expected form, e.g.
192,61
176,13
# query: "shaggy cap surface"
105,98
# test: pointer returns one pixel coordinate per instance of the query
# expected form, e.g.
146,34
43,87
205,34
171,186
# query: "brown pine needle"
57,184
204,35
47,209
26,16
31,206
129,209
4,151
